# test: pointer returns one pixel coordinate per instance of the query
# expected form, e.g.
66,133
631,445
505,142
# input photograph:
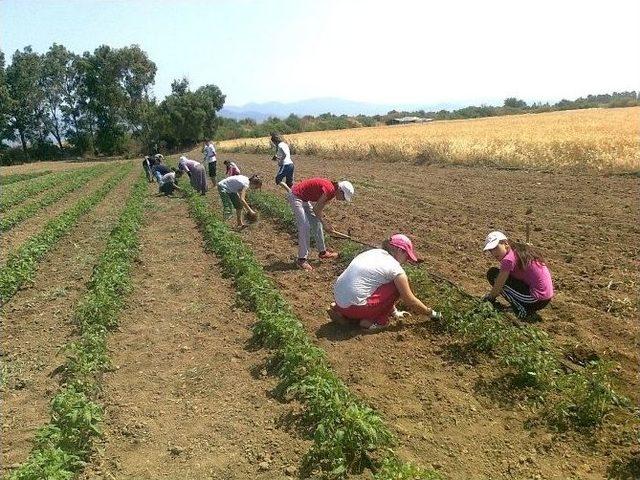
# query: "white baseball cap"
493,239
347,189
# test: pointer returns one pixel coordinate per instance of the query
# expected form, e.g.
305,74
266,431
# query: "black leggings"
518,294
212,170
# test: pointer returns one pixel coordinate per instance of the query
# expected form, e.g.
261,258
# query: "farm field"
189,395
601,139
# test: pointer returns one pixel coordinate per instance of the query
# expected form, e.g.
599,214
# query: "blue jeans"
285,171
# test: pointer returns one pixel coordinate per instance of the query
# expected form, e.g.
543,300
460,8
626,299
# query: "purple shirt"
536,275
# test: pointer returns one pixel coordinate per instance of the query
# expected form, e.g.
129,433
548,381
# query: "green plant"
22,263
62,445
344,430
392,468
21,177
50,197
586,397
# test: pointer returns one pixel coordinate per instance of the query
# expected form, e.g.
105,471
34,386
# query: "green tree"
116,85
25,105
513,102
190,117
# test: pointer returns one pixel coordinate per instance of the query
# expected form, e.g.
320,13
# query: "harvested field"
601,139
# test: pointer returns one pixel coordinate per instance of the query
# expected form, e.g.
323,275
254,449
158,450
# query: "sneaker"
304,264
328,254
375,327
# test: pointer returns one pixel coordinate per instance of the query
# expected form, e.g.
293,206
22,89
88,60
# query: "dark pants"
212,170
147,172
285,171
167,188
518,294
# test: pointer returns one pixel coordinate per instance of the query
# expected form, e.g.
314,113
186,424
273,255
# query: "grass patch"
20,177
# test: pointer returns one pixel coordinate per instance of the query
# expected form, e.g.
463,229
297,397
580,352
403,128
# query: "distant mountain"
316,106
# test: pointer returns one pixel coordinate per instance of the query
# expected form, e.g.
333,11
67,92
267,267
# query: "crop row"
19,177
17,215
348,436
22,263
15,194
65,442
580,398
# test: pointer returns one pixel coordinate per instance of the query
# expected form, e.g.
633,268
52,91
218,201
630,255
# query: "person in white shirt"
283,157
169,183
366,293
233,192
209,153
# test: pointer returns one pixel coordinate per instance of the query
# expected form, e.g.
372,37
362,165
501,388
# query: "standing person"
169,182
158,168
197,175
283,157
310,217
231,168
233,192
210,158
366,293
146,166
523,278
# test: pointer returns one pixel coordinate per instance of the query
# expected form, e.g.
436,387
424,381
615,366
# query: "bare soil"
36,324
448,410
188,398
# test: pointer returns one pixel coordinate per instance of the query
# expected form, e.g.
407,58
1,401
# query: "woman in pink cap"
367,291
523,277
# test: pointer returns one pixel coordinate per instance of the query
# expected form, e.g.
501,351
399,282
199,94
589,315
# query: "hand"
274,158
488,298
401,314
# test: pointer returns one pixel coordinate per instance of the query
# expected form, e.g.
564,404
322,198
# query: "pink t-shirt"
311,190
536,275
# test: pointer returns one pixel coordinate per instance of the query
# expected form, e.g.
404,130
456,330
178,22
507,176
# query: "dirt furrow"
593,262
448,410
187,398
36,323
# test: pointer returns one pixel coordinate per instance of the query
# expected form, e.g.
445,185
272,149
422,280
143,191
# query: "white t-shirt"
234,184
210,153
283,154
168,177
364,275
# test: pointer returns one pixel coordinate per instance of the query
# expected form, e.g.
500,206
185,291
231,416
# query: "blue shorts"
285,171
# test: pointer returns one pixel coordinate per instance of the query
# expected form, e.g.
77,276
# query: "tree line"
247,128
60,104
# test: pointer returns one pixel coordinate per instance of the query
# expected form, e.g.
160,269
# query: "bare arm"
412,302
285,186
497,287
242,194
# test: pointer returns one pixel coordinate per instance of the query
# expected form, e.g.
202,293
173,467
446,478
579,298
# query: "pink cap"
403,242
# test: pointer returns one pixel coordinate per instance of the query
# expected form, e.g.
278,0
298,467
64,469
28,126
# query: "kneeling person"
366,293
233,191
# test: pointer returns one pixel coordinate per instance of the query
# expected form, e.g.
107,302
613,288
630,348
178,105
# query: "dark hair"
255,180
276,138
526,254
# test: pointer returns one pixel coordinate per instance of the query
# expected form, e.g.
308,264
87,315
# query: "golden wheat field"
604,139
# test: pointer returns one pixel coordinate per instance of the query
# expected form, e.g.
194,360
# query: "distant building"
410,120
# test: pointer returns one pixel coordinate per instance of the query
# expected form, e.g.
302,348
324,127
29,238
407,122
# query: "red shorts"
378,308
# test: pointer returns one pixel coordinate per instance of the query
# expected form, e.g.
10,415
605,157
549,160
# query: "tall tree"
5,133
25,106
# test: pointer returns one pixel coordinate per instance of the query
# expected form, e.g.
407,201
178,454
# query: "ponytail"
526,254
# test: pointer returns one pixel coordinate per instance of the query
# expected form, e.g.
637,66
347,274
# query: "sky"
400,51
